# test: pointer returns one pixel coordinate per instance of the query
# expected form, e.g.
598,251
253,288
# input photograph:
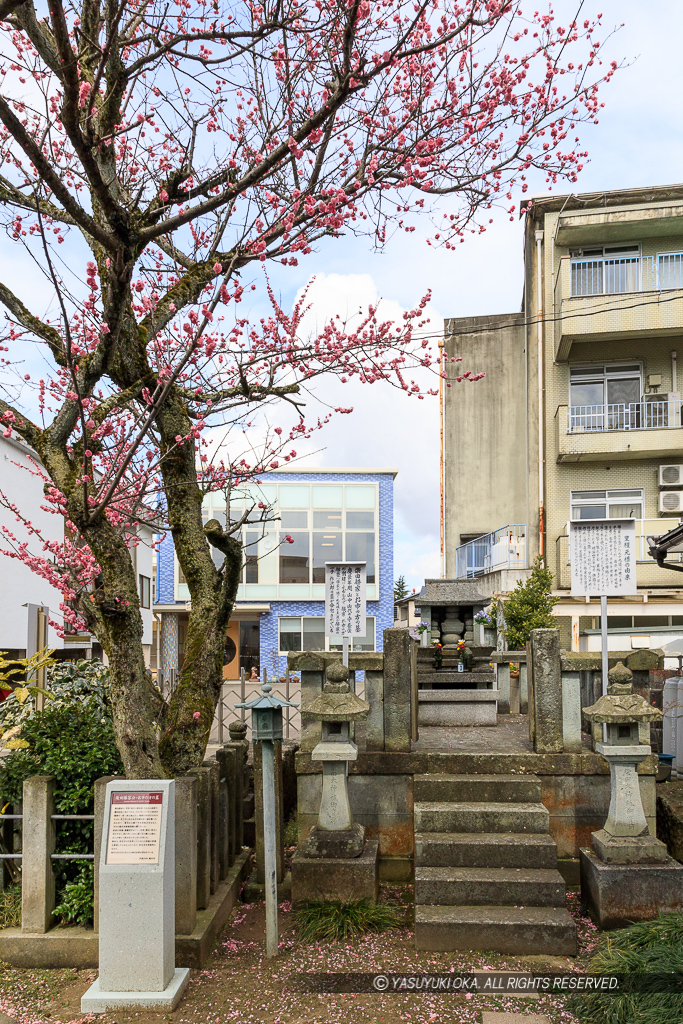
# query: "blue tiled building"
331,515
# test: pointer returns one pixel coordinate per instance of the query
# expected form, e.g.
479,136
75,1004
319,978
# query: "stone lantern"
627,875
335,861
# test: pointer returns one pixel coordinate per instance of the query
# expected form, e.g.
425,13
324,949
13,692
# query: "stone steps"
502,887
486,873
473,816
479,788
517,930
485,849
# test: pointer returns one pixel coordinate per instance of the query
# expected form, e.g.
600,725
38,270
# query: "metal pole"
345,651
603,637
243,693
287,713
268,763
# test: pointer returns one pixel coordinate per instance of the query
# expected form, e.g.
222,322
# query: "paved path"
489,1017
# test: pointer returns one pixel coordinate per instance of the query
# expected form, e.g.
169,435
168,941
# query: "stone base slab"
457,707
97,1001
619,894
332,845
337,878
628,849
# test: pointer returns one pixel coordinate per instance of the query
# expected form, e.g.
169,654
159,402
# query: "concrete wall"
484,428
20,586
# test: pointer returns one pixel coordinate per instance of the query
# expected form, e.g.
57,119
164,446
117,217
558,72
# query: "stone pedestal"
337,878
617,894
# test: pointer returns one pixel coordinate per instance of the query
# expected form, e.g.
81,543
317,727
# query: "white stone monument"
137,900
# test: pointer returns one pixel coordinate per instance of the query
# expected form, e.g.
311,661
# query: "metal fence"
621,275
287,687
503,549
623,416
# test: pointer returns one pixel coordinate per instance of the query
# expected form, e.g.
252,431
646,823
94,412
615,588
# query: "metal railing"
621,275
503,549
287,687
648,415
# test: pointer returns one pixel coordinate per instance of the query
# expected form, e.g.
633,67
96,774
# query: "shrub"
654,947
334,921
72,740
529,606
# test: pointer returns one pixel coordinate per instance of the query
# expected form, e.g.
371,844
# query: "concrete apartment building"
579,415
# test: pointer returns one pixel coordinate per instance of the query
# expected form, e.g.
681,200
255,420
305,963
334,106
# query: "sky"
638,142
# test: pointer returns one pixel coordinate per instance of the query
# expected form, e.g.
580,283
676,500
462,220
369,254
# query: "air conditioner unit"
670,501
671,475
663,396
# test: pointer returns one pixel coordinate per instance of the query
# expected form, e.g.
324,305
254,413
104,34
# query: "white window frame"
610,496
327,639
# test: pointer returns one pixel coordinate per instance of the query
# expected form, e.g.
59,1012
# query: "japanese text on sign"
345,587
602,553
134,828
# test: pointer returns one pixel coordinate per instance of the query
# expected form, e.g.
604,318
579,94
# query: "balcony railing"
620,275
502,549
623,416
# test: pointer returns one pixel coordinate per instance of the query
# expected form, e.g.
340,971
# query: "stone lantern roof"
620,704
336,703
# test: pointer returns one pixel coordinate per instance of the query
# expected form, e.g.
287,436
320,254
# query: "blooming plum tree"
154,155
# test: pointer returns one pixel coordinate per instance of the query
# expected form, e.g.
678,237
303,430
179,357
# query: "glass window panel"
314,634
651,620
586,371
294,496
327,547
367,642
360,497
589,512
632,510
327,520
206,507
637,492
586,393
623,391
294,520
294,559
260,492
218,499
677,620
360,520
627,368
585,495
619,621
290,634
327,496
360,547
251,538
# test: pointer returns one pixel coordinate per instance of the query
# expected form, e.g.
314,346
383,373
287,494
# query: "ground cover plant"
652,947
336,920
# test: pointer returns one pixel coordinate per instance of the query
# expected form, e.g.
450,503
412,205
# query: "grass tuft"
654,947
10,906
334,921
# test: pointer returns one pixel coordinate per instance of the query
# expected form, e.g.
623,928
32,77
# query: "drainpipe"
541,426
674,371
442,510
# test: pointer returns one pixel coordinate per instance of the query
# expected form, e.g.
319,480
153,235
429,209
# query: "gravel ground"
239,984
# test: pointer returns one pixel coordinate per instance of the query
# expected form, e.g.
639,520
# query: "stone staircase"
486,873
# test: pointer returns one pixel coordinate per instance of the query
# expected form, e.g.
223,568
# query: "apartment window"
250,549
605,397
181,577
145,591
640,622
616,504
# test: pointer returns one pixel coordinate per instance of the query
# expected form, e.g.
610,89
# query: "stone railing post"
214,771
545,691
99,805
571,712
38,845
312,669
203,778
397,717
502,683
374,723
186,788
227,759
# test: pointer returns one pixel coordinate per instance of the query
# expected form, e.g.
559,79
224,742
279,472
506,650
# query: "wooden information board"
134,828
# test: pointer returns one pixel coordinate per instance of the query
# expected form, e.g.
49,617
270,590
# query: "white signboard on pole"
603,557
345,596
